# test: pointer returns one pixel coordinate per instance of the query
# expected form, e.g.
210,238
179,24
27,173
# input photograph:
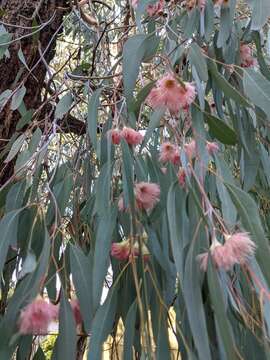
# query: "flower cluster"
124,250
169,153
237,249
169,93
36,317
152,9
131,136
146,196
247,60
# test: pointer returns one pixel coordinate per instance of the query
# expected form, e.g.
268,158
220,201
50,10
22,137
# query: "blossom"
222,257
156,8
169,152
202,4
182,177
241,245
36,317
131,136
121,250
190,149
115,135
152,9
147,195
212,147
247,60
169,93
75,306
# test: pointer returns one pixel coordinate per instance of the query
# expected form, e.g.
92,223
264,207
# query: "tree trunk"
18,16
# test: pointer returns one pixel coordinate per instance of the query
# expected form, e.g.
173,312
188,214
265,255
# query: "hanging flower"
182,177
131,136
115,135
120,250
190,149
36,317
212,147
152,9
147,195
75,306
169,93
222,257
169,153
247,60
155,9
241,245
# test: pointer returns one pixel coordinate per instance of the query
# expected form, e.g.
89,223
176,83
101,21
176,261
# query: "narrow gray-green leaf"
63,106
92,116
198,60
81,269
257,88
17,98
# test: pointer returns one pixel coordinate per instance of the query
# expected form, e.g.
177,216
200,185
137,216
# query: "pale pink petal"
147,195
115,135
121,250
36,317
190,149
212,147
182,177
131,136
241,245
247,60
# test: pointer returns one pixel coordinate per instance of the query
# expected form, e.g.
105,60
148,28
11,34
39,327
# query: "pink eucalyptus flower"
169,93
241,246
156,8
222,257
147,195
182,177
212,147
121,250
131,136
36,317
190,149
247,60
115,135
169,153
75,306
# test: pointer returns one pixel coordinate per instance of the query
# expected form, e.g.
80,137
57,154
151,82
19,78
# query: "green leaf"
102,325
17,98
260,13
63,106
137,49
65,347
141,96
194,304
153,124
92,116
105,230
8,234
228,90
225,331
16,147
251,221
81,268
15,196
198,60
221,131
257,88
128,174
129,331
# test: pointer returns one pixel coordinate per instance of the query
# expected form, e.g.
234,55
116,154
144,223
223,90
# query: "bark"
23,14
